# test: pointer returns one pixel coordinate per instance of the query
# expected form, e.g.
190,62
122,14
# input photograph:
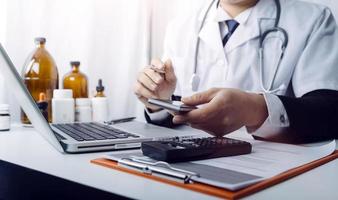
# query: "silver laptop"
82,137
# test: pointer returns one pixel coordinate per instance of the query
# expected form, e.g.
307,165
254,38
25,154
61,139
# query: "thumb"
169,71
200,98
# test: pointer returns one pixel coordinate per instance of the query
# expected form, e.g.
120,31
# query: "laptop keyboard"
93,131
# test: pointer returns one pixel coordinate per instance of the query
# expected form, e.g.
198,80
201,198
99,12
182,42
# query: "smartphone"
176,106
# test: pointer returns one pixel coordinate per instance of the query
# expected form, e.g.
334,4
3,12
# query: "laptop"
83,137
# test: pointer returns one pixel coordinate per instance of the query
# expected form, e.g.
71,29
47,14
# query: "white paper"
266,160
269,159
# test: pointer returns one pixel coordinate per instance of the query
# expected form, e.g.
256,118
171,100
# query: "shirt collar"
242,18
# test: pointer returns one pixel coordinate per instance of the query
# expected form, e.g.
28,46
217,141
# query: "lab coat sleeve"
313,118
317,67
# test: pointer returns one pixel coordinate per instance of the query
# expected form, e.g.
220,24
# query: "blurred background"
113,39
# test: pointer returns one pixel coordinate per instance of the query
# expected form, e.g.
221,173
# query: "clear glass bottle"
40,75
76,81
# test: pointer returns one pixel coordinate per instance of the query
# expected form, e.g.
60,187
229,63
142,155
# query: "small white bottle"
100,109
63,108
83,110
5,118
100,104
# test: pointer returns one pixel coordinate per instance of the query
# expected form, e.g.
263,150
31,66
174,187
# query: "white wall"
3,24
109,37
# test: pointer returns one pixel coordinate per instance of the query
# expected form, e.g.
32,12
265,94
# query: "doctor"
268,65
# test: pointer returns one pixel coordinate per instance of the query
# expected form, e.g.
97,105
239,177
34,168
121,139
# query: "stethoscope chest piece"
194,82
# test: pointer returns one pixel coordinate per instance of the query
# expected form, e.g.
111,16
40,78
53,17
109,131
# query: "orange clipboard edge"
220,192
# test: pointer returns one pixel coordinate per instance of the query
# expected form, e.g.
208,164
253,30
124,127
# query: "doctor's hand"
156,84
223,111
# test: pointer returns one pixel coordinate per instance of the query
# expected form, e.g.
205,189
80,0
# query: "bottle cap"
40,40
99,87
4,108
63,94
43,105
83,102
75,63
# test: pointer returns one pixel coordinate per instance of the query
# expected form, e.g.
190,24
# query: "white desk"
24,147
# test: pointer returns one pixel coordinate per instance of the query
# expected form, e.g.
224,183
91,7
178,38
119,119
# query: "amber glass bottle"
40,75
76,81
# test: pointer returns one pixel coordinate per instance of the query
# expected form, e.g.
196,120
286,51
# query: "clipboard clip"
158,168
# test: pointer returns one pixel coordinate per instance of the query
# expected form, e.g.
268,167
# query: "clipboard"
216,191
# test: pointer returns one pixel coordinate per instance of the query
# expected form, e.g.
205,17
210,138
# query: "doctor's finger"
195,117
200,98
148,105
147,82
169,71
157,63
200,115
144,101
154,76
142,91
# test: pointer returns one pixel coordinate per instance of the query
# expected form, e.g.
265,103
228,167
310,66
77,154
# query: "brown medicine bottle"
76,81
40,75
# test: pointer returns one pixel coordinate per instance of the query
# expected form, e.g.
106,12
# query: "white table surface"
25,147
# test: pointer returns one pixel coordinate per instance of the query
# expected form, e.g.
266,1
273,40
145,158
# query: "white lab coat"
310,61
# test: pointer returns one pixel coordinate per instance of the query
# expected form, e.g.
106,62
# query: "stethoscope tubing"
195,79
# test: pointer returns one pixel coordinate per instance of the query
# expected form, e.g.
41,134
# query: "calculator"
194,149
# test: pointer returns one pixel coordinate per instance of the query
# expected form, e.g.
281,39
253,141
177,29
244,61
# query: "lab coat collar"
210,33
242,18
261,17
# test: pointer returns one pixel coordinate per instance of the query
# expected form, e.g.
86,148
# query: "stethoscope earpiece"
194,82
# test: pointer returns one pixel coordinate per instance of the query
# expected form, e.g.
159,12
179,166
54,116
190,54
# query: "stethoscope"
195,79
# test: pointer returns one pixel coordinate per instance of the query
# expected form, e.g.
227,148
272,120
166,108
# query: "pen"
153,169
117,121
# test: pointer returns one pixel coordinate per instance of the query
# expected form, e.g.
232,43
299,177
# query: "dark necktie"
232,26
